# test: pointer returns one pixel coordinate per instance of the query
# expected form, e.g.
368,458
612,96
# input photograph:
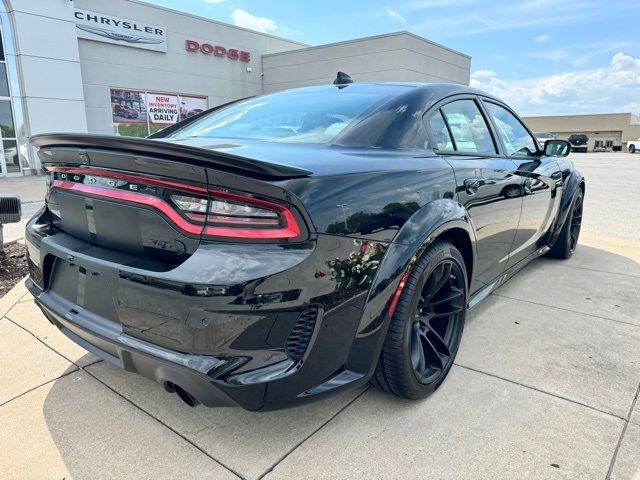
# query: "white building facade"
130,68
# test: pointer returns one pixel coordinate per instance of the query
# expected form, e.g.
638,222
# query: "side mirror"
557,148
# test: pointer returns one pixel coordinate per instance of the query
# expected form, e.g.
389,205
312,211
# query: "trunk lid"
157,200
51,145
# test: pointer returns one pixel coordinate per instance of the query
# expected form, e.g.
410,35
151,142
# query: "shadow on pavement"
91,425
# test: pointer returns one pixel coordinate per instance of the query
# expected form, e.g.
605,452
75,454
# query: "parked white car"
633,146
542,137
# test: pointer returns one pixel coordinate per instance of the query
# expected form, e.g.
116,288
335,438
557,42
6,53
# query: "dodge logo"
217,51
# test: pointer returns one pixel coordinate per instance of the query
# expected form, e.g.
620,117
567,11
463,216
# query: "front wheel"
426,327
567,241
632,149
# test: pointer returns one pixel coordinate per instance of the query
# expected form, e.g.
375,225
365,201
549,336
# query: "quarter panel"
374,205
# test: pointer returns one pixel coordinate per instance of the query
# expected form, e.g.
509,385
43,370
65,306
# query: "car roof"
429,93
436,91
395,121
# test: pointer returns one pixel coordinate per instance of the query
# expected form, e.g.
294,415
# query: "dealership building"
605,131
131,68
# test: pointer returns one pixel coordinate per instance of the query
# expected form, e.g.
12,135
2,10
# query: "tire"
426,328
567,242
632,149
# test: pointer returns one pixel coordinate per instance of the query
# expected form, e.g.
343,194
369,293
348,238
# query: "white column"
46,48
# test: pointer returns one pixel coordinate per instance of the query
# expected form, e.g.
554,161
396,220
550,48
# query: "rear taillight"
195,210
231,215
224,212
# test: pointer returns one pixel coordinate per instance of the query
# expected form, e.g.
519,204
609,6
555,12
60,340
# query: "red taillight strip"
242,220
396,296
139,198
292,230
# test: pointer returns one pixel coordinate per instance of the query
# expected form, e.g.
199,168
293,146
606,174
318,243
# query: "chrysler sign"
120,31
217,51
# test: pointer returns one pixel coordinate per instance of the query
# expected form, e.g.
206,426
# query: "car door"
541,179
486,184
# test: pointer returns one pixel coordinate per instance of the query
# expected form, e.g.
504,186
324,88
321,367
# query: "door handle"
471,185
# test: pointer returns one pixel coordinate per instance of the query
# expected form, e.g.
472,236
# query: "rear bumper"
166,367
209,379
224,343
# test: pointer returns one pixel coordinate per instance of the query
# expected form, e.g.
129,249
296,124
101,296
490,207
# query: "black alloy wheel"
576,223
437,321
426,328
567,242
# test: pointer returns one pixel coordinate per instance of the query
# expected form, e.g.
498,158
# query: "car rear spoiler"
171,151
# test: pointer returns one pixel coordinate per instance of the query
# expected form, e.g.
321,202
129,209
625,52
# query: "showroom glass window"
468,128
13,134
516,138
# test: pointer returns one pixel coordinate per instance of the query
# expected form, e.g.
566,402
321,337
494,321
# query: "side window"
440,132
515,137
468,128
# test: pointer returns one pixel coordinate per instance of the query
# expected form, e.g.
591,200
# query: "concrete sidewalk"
545,386
31,191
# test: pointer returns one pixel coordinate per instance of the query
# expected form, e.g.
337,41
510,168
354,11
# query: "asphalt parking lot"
545,386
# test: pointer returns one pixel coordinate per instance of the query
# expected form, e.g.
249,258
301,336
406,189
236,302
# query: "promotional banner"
162,108
128,106
140,113
106,28
192,105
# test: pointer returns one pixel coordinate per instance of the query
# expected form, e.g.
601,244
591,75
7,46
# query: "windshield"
298,116
543,135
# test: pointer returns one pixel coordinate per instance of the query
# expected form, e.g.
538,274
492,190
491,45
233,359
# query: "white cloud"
213,1
542,38
392,13
580,55
613,88
491,16
483,74
244,19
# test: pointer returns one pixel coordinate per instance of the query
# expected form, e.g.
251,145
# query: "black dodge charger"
279,248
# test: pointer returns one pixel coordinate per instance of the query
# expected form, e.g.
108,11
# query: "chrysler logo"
120,37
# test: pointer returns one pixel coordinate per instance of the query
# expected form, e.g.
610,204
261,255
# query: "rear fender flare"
414,237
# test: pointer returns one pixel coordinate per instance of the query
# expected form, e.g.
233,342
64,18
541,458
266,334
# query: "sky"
540,56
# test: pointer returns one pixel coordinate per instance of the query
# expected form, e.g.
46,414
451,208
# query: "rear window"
298,116
578,137
468,127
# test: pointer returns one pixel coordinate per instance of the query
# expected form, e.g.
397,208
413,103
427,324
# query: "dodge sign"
217,51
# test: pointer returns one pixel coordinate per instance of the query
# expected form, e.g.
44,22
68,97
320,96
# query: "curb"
11,242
